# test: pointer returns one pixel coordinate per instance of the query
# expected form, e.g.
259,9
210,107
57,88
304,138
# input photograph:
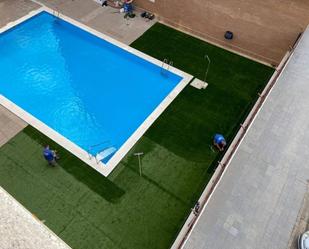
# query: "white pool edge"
104,169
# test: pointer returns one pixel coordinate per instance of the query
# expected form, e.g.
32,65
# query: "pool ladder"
56,13
102,154
166,66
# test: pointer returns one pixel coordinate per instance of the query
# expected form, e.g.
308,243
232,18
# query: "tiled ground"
10,125
19,230
10,10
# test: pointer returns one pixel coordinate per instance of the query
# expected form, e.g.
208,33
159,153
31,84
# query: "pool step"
105,153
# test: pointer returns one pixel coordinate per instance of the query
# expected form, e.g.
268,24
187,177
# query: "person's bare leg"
55,154
217,145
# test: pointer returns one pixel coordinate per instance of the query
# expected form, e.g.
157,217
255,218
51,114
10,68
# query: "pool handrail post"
208,65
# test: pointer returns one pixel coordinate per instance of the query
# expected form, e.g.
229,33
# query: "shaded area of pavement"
257,202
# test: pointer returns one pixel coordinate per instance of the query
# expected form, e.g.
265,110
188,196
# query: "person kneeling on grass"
50,155
219,141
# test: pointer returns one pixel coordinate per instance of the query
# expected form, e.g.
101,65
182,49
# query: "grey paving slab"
256,204
20,230
107,20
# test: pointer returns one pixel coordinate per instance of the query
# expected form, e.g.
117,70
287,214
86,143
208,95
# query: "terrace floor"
18,227
11,10
127,210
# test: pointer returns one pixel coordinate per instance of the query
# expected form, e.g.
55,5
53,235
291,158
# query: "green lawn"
125,210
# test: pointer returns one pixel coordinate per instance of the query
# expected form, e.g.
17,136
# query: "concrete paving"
302,223
11,10
107,20
20,230
257,202
263,30
10,125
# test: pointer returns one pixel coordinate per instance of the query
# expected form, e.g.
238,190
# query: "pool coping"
104,169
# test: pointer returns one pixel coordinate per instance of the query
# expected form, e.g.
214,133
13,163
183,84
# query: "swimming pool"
94,96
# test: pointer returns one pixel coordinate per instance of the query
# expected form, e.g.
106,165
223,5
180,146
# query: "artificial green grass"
125,210
88,210
189,123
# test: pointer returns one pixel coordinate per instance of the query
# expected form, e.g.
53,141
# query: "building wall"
263,29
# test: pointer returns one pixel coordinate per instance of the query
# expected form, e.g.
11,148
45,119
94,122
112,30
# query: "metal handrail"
164,62
56,13
95,145
105,148
170,64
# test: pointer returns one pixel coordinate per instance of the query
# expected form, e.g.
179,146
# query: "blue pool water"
83,87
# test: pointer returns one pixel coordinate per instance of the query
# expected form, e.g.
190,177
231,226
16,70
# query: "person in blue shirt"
50,155
219,141
128,6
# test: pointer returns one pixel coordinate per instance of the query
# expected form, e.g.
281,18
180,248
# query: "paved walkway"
107,20
19,230
257,202
11,10
10,125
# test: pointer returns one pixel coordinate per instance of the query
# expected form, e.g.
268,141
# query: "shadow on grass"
78,169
